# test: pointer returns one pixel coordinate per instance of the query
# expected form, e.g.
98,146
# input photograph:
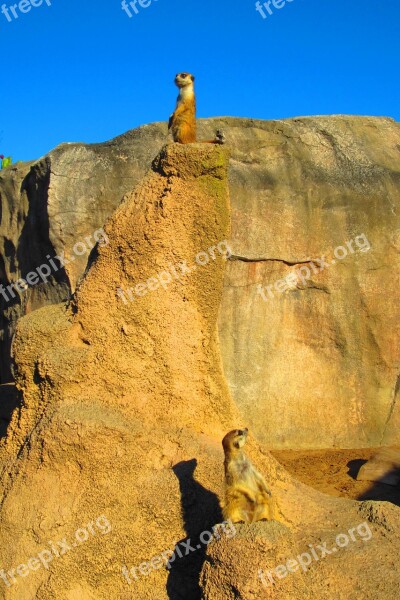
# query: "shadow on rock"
378,490
354,467
10,399
200,511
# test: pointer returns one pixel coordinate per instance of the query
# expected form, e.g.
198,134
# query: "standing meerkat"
182,122
247,497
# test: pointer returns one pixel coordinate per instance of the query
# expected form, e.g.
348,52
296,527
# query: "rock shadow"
10,399
200,511
378,490
354,466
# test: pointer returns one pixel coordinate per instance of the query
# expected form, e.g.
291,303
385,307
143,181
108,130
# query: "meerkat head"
182,80
235,439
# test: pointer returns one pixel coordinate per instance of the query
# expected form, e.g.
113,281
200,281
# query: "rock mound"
112,465
347,557
118,390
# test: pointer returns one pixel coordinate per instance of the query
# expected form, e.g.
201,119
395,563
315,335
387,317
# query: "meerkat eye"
183,75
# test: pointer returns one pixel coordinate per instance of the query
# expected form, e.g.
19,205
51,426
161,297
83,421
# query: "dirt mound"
356,559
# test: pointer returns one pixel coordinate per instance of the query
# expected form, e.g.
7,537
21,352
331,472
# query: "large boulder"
312,354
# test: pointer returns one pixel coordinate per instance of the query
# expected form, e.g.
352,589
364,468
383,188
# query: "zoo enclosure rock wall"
316,365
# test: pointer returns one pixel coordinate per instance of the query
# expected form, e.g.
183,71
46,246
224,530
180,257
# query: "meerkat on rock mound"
247,496
182,122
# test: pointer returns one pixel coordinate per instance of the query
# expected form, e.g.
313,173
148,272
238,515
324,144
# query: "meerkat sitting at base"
182,122
247,497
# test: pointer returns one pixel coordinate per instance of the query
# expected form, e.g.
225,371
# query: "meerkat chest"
187,99
242,471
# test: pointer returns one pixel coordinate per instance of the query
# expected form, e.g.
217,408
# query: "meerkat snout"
235,438
183,79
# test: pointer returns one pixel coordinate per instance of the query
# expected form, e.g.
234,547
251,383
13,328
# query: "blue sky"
82,70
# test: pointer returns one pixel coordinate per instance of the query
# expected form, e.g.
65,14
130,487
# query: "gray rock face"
309,323
53,204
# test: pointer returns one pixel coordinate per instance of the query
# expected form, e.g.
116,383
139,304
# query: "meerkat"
247,496
182,122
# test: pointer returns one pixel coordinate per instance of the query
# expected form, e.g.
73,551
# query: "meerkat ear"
192,77
236,444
